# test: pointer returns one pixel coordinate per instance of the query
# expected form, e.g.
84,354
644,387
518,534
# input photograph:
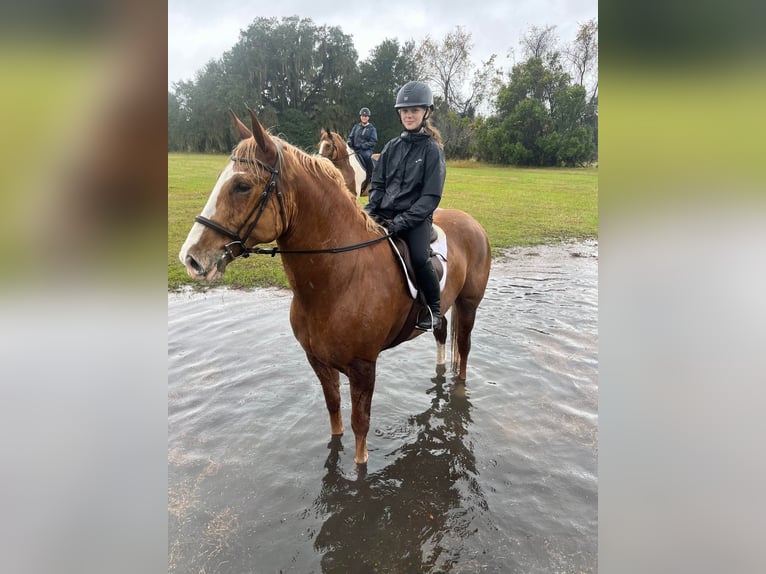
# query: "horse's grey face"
202,259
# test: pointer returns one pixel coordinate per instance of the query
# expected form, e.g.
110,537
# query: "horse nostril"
194,265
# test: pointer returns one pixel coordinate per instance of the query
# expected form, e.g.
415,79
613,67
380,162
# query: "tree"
176,123
539,42
293,73
583,55
301,78
583,52
542,118
446,65
292,63
456,131
487,80
389,66
201,102
534,79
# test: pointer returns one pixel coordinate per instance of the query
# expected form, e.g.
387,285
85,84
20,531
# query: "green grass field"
517,206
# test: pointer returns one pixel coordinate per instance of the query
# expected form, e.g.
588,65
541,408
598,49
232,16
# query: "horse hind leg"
463,317
330,380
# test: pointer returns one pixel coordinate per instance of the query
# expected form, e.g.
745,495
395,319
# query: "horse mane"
340,139
293,159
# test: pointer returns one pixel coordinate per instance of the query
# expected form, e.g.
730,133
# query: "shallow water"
497,476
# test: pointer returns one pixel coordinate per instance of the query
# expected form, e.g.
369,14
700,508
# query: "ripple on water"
499,475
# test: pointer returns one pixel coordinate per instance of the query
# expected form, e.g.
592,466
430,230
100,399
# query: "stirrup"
423,326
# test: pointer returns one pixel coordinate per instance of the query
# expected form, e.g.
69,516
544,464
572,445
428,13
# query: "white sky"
202,30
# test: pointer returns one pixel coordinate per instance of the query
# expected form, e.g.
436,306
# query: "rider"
407,186
363,138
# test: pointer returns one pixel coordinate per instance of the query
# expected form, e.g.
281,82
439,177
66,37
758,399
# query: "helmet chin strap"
425,117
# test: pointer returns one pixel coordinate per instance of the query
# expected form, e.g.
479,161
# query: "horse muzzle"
200,272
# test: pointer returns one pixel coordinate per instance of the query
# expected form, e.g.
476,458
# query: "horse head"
333,146
327,146
245,205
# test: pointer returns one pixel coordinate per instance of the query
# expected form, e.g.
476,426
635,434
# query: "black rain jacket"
362,138
408,180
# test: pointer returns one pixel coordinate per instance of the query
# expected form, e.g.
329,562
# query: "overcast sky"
202,30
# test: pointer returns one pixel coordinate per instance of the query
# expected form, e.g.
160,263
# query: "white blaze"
208,211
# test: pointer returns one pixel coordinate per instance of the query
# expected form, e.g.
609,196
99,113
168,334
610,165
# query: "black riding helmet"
415,95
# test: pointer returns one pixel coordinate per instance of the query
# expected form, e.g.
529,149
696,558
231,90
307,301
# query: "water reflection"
502,480
399,519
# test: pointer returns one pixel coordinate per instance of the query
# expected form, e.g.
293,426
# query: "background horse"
349,297
332,146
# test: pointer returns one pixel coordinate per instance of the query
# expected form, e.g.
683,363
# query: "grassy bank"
517,206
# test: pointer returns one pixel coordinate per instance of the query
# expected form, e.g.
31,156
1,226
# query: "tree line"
301,78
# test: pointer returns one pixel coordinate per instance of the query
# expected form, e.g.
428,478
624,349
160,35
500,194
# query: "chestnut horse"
349,297
332,146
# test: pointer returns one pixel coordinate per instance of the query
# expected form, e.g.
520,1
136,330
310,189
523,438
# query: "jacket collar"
416,136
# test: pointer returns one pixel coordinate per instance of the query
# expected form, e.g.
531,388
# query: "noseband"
271,187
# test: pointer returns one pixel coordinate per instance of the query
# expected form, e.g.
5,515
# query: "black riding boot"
428,283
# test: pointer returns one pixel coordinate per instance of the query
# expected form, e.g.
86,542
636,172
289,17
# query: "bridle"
260,206
334,150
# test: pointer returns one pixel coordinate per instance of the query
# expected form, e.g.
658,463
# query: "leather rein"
271,187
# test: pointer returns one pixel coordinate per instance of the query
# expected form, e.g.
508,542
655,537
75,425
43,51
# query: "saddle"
438,256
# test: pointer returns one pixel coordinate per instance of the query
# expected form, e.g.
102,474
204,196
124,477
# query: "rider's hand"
390,227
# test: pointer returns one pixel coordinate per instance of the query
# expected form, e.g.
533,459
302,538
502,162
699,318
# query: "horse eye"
241,187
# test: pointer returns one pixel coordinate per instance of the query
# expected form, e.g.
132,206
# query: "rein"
274,250
260,205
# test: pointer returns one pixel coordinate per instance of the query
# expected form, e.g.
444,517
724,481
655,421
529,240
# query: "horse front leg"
361,376
440,335
330,379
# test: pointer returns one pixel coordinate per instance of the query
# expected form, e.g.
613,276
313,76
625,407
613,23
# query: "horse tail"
455,352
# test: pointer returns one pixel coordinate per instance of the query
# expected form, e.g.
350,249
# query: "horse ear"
242,130
262,138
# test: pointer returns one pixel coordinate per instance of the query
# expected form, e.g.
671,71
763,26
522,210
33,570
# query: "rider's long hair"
435,133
